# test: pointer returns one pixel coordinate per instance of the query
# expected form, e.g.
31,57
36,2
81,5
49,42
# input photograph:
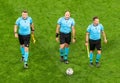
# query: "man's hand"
87,47
15,31
57,39
105,41
87,39
86,44
104,36
16,35
73,40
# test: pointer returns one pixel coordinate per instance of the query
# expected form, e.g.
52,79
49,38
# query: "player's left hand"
73,40
105,41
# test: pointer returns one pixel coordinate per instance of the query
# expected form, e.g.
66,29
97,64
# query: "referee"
24,26
93,37
65,26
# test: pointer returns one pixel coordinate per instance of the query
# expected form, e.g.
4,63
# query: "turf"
44,64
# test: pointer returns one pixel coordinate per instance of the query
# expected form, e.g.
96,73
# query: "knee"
91,51
26,49
66,45
99,52
62,46
22,45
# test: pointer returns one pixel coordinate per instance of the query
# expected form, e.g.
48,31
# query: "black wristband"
57,34
33,30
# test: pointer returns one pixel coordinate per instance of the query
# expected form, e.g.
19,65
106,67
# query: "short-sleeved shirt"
66,24
24,25
95,31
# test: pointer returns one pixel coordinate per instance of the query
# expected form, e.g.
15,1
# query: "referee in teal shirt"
93,37
24,26
65,26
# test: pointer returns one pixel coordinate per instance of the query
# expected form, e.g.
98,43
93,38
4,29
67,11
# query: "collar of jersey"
24,19
94,25
66,19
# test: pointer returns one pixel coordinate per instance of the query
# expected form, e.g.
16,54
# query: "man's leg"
98,46
62,51
98,58
22,49
67,40
26,55
66,52
91,56
26,43
92,48
62,46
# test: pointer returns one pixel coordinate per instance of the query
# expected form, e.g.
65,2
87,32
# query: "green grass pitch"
44,64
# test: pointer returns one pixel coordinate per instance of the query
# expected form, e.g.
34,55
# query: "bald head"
67,15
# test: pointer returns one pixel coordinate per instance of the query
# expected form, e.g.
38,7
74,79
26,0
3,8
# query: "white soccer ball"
69,71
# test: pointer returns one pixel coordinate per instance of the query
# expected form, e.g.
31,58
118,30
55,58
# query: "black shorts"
24,40
65,38
95,44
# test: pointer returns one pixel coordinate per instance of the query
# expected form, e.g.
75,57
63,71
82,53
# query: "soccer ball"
69,71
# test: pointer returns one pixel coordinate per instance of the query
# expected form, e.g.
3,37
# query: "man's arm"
73,34
32,28
104,36
57,32
87,39
15,31
87,36
58,29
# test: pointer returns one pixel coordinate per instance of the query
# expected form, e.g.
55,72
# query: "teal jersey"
66,25
24,25
95,31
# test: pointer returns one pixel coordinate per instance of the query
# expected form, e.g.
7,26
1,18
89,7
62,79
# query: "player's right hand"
57,39
86,44
16,35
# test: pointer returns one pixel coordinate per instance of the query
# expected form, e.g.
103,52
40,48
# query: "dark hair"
24,11
95,18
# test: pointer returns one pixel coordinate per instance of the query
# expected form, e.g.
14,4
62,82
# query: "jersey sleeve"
88,29
31,21
17,21
73,22
102,28
59,21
